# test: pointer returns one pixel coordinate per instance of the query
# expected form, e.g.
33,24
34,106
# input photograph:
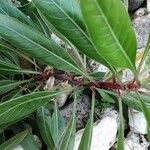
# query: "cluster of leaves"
92,30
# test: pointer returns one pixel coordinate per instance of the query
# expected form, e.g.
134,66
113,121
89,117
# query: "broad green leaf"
22,106
14,141
35,44
8,85
68,136
57,125
110,31
146,112
43,118
9,9
65,17
85,143
120,142
29,143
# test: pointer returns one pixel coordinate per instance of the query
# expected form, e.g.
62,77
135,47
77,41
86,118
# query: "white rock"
104,134
137,121
19,147
148,5
135,142
110,112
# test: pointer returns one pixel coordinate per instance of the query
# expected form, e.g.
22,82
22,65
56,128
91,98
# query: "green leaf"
105,96
120,142
9,9
85,143
146,112
14,141
19,107
110,31
8,85
65,17
57,125
7,68
36,45
29,143
68,136
133,99
43,118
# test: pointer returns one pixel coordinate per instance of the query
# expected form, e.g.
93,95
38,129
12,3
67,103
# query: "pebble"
137,122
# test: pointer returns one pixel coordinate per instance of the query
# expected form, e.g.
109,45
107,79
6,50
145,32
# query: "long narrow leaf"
43,118
35,44
65,17
146,112
85,143
7,85
9,9
120,142
68,137
13,142
21,106
57,125
29,143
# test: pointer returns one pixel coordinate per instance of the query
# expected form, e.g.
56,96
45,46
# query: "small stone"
135,142
142,29
103,136
134,4
137,122
82,113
